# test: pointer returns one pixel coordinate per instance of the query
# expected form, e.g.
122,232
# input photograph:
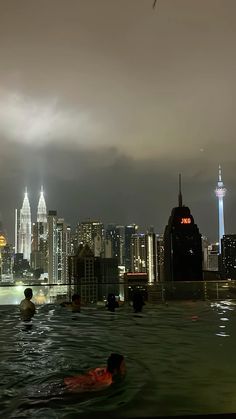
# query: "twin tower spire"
24,236
42,209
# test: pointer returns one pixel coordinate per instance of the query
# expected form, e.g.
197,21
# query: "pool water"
180,360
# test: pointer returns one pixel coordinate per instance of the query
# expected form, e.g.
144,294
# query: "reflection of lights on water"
224,319
20,287
222,334
222,326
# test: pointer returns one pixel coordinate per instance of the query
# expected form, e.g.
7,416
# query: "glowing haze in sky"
105,102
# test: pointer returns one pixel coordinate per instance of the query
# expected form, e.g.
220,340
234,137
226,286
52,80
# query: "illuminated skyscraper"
138,252
220,192
39,260
91,233
52,247
25,228
151,246
42,223
229,256
42,209
59,240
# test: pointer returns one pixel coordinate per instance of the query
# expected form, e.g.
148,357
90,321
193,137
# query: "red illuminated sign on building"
185,221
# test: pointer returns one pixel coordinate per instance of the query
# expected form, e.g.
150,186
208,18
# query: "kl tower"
220,192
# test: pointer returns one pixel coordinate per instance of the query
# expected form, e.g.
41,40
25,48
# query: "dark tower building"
182,245
115,233
129,231
228,249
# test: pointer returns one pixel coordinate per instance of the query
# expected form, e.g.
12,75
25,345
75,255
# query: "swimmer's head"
76,298
116,364
28,293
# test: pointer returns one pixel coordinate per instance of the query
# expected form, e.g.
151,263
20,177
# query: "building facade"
91,233
129,231
228,246
182,246
116,234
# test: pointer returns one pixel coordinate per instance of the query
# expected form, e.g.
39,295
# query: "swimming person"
27,308
74,305
111,302
138,302
76,302
98,378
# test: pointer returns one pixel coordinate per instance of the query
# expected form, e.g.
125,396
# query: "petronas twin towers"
23,236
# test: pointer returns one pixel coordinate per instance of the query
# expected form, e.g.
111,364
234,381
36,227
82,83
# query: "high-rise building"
91,233
39,260
24,245
220,192
20,266
52,247
116,234
84,270
129,231
213,257
204,252
160,257
182,245
108,281
144,254
108,248
59,248
138,253
6,263
39,249
62,251
228,245
42,209
151,255
69,241
17,229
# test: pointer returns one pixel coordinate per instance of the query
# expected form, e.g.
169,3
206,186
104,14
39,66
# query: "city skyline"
42,212
106,112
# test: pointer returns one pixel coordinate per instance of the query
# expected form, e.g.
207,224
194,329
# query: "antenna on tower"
220,178
180,193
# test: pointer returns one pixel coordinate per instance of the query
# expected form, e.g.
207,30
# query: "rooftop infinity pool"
180,360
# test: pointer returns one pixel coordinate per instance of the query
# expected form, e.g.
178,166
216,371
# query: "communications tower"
220,192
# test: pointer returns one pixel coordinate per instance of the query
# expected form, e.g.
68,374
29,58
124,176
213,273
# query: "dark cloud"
107,185
105,102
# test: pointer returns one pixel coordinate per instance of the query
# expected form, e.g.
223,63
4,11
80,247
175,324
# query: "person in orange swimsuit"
98,378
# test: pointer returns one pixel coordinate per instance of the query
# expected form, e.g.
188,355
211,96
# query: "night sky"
104,102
